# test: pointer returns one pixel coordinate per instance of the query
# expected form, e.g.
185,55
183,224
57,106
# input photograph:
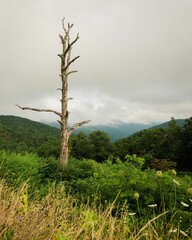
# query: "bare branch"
70,45
63,25
62,38
59,122
75,40
76,125
71,72
63,19
69,26
40,110
71,62
60,55
68,56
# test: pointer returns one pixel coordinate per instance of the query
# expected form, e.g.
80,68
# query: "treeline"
162,148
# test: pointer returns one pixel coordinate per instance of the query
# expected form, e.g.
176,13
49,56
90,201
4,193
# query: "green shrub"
18,168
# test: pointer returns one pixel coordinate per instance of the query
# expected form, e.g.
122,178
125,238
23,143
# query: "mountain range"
115,131
18,127
120,130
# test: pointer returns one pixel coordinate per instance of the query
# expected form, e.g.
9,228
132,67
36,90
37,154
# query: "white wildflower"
185,204
183,233
190,199
173,230
131,214
152,205
176,182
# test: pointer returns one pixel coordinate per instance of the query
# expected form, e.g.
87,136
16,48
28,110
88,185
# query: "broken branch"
40,110
71,72
76,125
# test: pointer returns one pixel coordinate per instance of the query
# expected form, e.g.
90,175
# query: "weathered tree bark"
66,62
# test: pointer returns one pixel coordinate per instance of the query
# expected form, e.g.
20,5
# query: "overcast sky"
135,64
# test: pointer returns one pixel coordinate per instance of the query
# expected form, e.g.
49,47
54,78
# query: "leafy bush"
18,168
87,179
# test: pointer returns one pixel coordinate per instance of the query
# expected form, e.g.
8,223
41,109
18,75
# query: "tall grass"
59,216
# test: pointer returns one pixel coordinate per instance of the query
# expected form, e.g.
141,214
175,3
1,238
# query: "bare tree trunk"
64,152
66,61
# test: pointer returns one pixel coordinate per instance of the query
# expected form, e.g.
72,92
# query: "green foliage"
101,146
99,184
80,146
22,135
144,142
169,146
85,178
186,154
96,145
19,168
161,147
138,161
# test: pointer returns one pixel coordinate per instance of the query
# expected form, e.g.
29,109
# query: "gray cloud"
135,65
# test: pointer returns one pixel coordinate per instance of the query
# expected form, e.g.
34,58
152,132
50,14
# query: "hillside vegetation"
129,189
23,135
90,200
168,146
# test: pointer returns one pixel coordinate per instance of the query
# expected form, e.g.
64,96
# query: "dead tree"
63,115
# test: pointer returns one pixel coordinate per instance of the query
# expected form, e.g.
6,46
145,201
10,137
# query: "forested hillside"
163,147
20,134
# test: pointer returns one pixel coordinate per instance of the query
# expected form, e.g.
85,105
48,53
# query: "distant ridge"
179,122
121,130
115,131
